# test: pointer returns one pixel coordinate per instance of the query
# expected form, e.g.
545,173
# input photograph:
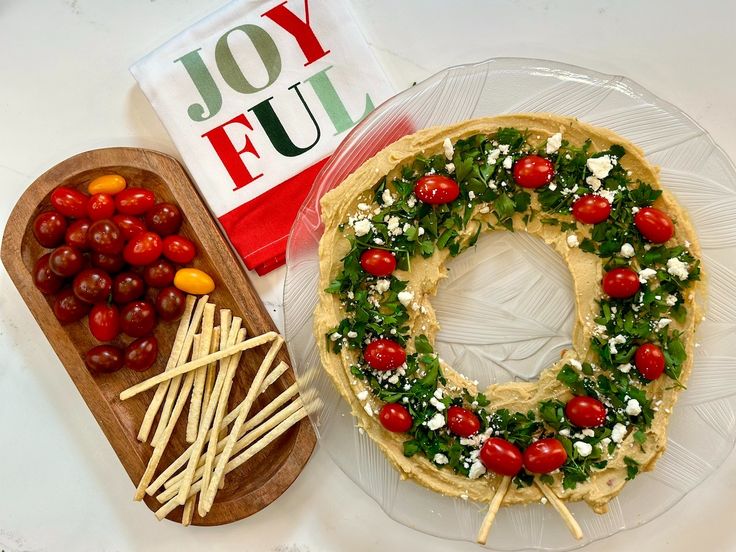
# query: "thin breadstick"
194,364
209,415
208,496
209,381
275,374
158,397
243,457
227,370
171,392
485,527
165,436
262,415
195,405
186,517
558,505
174,484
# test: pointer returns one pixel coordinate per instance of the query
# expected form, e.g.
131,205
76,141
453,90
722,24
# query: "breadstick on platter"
195,406
194,364
239,460
558,505
174,485
264,414
208,497
485,527
186,350
209,381
227,370
188,514
158,397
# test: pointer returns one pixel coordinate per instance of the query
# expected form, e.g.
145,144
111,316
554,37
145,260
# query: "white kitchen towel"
256,97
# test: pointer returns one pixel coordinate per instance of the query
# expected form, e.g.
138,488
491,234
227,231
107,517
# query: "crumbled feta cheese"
449,150
625,368
661,324
504,148
618,433
677,268
394,379
364,206
593,182
406,297
387,198
393,226
670,300
554,142
587,432
412,201
627,250
633,408
572,241
438,393
476,470
599,330
605,442
583,449
568,191
609,195
635,210
646,274
435,422
378,241
420,231
508,162
618,340
440,406
576,363
485,209
565,431
440,458
543,500
335,336
600,166
362,227
352,334
493,156
368,409
450,168
552,186
382,285
363,395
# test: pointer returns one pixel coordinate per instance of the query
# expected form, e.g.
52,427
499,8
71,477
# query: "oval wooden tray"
258,482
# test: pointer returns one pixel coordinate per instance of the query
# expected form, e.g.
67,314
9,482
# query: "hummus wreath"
591,421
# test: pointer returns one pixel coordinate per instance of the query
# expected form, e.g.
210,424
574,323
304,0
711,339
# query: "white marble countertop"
66,88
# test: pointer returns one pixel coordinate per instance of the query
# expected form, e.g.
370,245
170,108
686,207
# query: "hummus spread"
641,448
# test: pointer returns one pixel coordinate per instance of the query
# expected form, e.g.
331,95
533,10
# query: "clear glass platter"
515,294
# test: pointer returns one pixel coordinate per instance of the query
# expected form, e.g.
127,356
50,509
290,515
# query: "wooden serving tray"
258,482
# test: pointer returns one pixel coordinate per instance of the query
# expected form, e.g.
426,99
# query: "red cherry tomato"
654,225
68,308
129,225
137,319
395,417
100,206
92,285
104,359
462,421
134,201
179,249
384,354
110,263
44,278
170,303
649,360
591,209
141,354
69,202
164,219
500,456
378,262
104,236
104,322
159,273
533,171
585,412
143,249
436,189
544,456
621,283
49,228
76,234
127,287
66,261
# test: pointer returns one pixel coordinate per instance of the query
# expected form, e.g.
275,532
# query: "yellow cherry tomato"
107,184
193,281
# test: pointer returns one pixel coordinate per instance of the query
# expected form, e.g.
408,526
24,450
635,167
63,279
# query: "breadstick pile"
199,373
